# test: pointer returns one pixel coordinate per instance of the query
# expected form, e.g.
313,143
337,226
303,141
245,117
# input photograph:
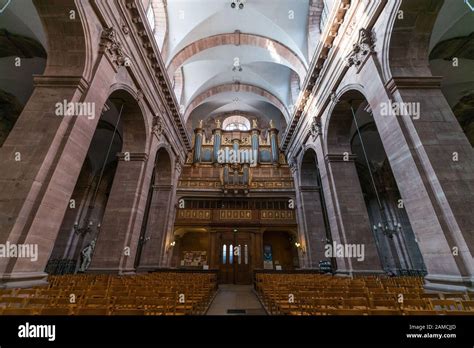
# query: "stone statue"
218,123
86,254
271,124
200,123
254,124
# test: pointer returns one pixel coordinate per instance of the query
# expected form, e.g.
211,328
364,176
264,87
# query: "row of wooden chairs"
314,294
148,294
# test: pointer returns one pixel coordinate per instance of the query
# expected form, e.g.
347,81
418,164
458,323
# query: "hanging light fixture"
238,3
387,228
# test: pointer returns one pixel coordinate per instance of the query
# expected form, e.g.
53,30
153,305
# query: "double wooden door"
235,257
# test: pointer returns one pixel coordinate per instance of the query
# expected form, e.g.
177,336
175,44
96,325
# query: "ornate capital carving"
178,167
315,129
158,126
293,165
360,50
111,46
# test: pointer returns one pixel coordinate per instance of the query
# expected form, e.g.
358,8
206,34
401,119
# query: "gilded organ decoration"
237,158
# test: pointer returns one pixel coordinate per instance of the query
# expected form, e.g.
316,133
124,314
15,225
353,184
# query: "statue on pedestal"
254,124
200,123
218,124
86,256
271,124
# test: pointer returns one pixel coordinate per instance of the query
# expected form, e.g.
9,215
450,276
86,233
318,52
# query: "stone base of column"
23,280
447,283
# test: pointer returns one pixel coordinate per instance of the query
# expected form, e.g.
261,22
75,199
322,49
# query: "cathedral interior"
249,143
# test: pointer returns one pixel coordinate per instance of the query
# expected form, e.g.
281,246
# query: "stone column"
41,161
435,188
315,229
352,214
156,228
117,241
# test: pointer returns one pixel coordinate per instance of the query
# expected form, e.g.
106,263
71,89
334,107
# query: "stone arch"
236,87
119,234
350,214
63,33
133,119
156,221
407,45
313,212
238,38
161,24
314,18
337,126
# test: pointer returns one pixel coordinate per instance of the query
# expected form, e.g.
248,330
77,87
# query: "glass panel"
239,257
224,254
231,254
246,258
151,17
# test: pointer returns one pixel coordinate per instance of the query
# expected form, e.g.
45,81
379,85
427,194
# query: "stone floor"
239,299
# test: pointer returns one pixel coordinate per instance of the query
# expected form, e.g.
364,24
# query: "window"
231,254
236,123
324,17
224,254
246,254
239,256
150,15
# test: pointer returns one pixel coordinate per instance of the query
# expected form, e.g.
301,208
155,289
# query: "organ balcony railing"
236,215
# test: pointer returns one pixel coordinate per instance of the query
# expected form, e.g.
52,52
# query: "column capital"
61,81
413,82
162,187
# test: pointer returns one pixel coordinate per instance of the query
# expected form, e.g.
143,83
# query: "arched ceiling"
236,60
453,36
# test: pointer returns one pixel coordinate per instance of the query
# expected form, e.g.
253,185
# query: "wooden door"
226,264
242,261
235,258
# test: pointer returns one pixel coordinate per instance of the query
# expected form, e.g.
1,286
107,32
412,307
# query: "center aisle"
236,300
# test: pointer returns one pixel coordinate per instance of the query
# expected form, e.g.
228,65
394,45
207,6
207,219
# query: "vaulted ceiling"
227,60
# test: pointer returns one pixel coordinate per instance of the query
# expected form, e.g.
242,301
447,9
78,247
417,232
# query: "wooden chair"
128,311
384,311
409,311
416,304
346,311
384,304
53,311
356,303
446,305
19,311
92,311
13,302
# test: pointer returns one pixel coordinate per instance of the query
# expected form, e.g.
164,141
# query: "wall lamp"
300,247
